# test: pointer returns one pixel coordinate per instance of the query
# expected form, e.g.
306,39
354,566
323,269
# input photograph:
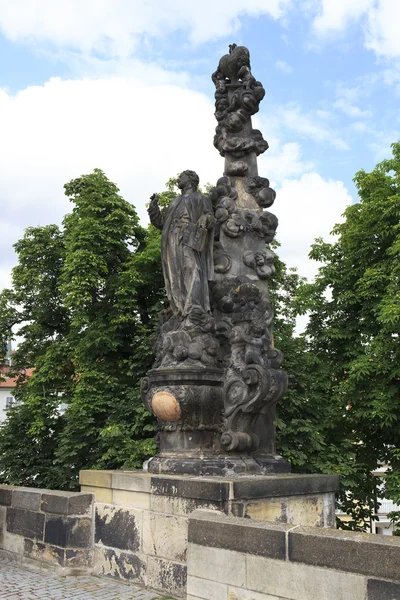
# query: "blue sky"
124,85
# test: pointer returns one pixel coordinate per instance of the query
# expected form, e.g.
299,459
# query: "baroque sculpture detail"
217,376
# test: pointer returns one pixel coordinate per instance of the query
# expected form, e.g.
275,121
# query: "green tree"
353,330
87,298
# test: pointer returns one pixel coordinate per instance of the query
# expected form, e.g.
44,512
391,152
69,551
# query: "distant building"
7,388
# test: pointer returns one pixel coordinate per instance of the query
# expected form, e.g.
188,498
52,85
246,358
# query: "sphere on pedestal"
166,407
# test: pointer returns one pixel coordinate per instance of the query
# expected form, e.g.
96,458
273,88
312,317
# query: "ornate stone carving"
261,262
237,98
217,376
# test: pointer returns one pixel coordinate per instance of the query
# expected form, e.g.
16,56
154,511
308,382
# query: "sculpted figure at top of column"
186,245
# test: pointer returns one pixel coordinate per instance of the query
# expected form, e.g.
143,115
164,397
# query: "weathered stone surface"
373,555
118,528
215,564
79,558
305,511
70,532
5,495
203,588
266,511
165,536
103,495
329,505
244,594
12,542
284,485
119,564
131,499
217,531
196,487
96,478
301,582
25,522
67,503
44,552
28,499
181,506
382,590
168,576
133,481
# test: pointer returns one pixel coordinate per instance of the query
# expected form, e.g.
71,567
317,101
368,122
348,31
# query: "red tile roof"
11,382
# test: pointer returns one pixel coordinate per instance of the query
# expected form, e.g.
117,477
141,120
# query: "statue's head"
186,178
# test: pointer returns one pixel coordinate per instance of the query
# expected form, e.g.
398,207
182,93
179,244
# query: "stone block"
266,511
368,554
28,523
239,535
307,511
215,564
165,536
95,478
5,495
180,506
284,485
301,582
128,499
200,488
69,532
127,566
382,590
12,543
133,481
206,589
196,598
118,528
3,514
78,558
67,503
103,495
329,510
41,552
166,576
28,499
244,594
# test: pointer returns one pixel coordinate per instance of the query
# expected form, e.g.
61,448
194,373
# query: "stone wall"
47,528
239,559
142,519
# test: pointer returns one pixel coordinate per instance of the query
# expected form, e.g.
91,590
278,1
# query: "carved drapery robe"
186,251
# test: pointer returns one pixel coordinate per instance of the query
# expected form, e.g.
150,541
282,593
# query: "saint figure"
186,245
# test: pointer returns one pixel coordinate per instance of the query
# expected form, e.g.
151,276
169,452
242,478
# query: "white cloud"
335,15
307,208
380,19
58,131
283,161
309,125
351,110
283,66
383,28
115,27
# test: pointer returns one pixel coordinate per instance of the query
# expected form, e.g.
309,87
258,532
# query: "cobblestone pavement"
22,583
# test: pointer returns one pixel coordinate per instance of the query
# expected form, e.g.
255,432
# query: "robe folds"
187,252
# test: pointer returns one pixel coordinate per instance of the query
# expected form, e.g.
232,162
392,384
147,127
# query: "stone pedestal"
142,519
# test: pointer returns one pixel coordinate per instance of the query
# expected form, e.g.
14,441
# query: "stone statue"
186,245
217,376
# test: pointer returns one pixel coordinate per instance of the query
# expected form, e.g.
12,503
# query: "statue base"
143,519
222,466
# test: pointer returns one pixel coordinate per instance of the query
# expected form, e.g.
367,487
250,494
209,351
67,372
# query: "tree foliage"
353,333
86,297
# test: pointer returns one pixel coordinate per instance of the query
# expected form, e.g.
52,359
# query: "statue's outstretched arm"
155,214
